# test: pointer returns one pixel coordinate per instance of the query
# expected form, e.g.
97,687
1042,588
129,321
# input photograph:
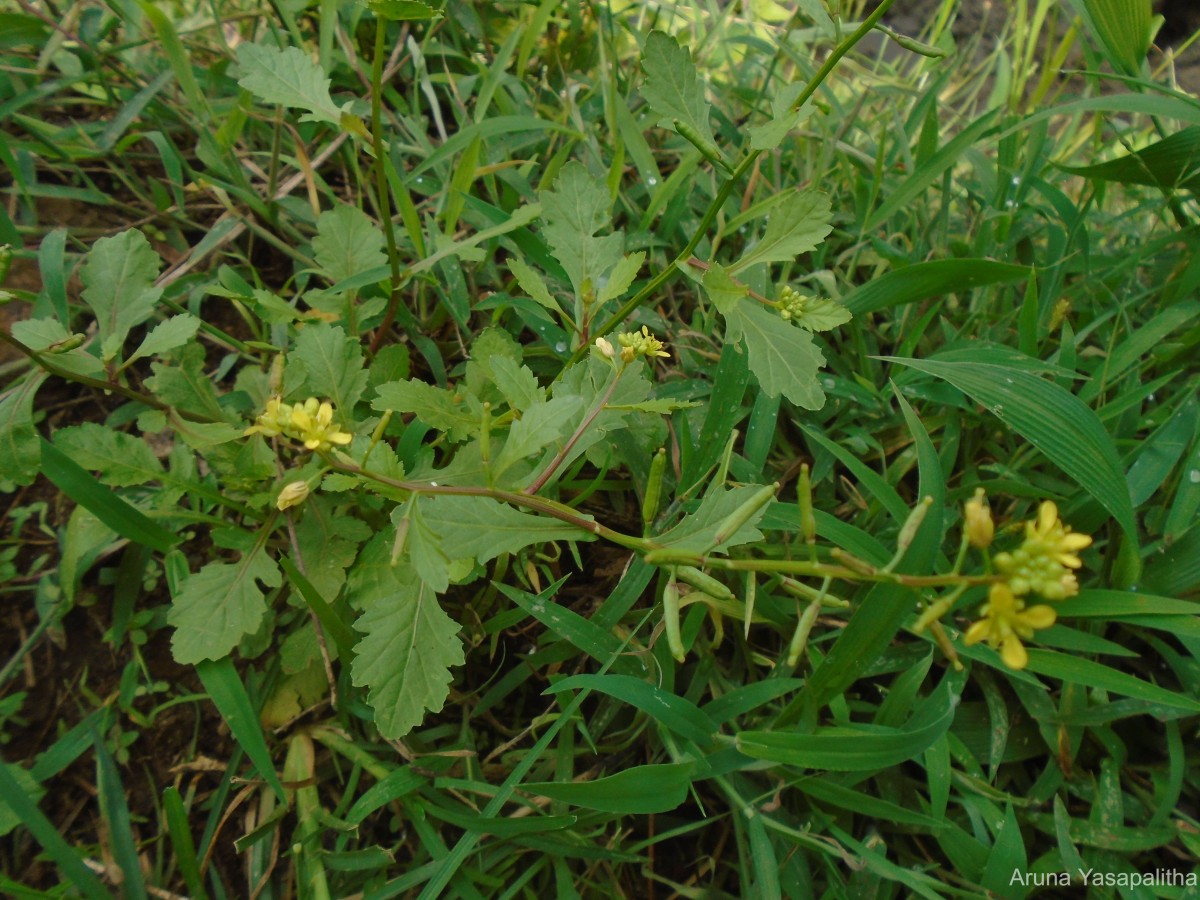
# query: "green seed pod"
743,514
912,524
6,258
804,628
68,343
694,137
702,581
658,468
671,619
808,522
377,434
485,435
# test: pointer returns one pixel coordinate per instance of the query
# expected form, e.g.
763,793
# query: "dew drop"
651,181
998,408
433,484
1016,179
828,383
1150,398
560,347
1194,476
1009,380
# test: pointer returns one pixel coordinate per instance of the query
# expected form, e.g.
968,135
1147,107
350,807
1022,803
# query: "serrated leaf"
783,358
405,655
167,335
405,10
118,284
617,281
121,459
820,314
723,290
219,605
186,386
532,283
482,528
573,211
516,382
44,334
20,446
783,118
673,89
427,550
542,426
796,225
439,408
334,367
287,77
347,243
694,534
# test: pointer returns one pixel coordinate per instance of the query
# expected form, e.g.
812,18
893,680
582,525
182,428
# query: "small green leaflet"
219,605
532,283
187,386
290,78
783,358
50,335
405,10
20,446
334,367
347,243
405,655
542,426
482,528
821,314
672,87
617,281
797,224
573,211
696,532
516,382
167,335
118,284
724,291
121,459
436,407
783,118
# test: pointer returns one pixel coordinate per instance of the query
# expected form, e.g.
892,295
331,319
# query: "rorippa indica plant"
342,498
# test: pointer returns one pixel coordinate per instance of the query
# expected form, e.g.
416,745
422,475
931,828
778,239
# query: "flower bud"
605,348
979,525
293,494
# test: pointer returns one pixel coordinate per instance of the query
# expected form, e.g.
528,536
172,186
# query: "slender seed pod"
658,468
671,619
743,514
808,522
485,435
6,258
702,581
710,151
804,628
384,421
912,524
751,594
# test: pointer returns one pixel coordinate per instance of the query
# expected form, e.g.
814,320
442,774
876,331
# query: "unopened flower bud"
979,525
605,348
293,494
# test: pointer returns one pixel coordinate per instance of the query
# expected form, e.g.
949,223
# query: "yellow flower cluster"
310,422
1044,564
634,345
791,303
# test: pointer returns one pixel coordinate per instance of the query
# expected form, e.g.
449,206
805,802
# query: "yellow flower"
644,344
1044,561
292,494
1005,621
310,422
979,526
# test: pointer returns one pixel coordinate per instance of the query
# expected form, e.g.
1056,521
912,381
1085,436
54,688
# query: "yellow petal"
977,632
1013,653
1075,541
1039,616
1047,516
